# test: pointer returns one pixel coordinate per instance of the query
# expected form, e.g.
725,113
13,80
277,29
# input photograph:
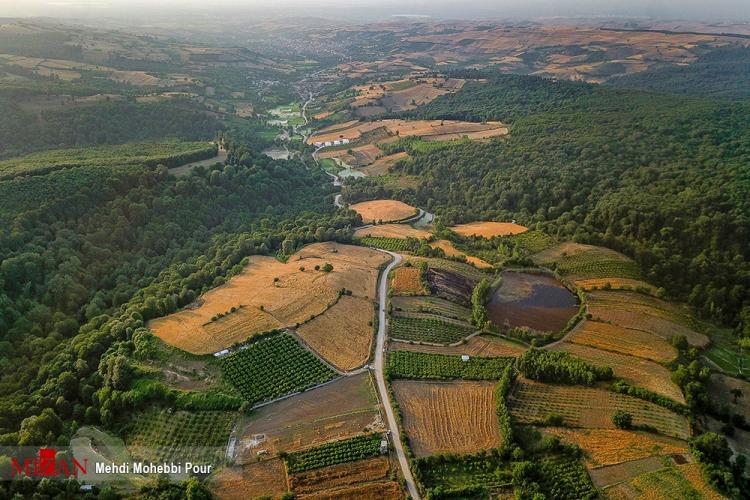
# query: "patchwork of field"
400,95
448,417
623,340
342,409
451,251
383,211
668,481
392,231
408,281
613,446
582,262
269,294
645,313
488,229
480,346
253,480
634,371
589,407
355,156
429,130
321,481
343,335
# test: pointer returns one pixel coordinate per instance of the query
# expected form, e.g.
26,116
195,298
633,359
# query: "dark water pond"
536,301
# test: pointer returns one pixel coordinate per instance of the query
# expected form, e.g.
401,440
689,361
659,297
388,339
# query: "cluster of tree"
662,178
726,475
479,297
80,277
103,123
560,367
722,72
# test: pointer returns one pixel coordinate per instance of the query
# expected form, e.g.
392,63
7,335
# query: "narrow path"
378,368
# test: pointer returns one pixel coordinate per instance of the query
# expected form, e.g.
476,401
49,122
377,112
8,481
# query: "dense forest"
81,274
103,123
663,178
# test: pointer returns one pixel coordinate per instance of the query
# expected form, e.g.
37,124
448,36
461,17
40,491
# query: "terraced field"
590,408
577,261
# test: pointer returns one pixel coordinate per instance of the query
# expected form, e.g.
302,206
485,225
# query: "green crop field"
336,452
273,367
392,244
428,330
160,435
419,365
565,478
483,472
531,241
727,355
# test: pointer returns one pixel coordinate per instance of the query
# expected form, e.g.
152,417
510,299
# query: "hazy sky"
664,9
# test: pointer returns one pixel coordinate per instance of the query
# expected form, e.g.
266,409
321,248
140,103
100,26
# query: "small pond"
536,301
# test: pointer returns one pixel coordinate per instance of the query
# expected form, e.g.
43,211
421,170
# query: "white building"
344,141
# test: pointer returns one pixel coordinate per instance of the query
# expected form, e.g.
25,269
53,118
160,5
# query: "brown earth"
479,346
267,477
451,251
340,475
408,281
450,285
623,340
401,231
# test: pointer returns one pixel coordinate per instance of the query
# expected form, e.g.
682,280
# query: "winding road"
379,369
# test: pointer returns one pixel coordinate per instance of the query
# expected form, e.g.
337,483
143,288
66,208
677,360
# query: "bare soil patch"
267,477
408,281
451,285
448,417
451,251
337,476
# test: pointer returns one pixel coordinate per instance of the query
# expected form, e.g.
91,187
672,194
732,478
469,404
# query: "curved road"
378,368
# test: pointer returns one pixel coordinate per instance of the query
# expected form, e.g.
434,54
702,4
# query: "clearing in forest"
339,410
269,294
531,402
343,335
253,480
488,229
649,314
392,231
448,417
623,340
613,446
375,211
635,371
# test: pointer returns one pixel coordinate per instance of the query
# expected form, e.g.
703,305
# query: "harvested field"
358,156
392,231
535,301
437,130
336,476
479,346
448,417
269,294
649,314
614,446
673,482
448,265
381,490
343,335
382,165
623,340
267,477
408,281
339,410
589,407
488,229
431,305
451,285
383,211
635,371
614,284
451,251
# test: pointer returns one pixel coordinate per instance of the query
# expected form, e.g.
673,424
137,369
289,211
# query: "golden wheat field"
613,446
383,211
343,334
448,417
271,294
401,231
488,229
408,281
451,251
337,476
635,371
267,477
623,340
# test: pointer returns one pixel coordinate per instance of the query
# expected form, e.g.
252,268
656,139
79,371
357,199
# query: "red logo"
47,465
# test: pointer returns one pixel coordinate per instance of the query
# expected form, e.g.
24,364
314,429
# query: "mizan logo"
48,465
